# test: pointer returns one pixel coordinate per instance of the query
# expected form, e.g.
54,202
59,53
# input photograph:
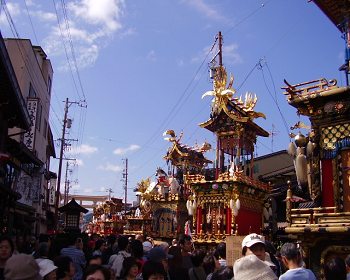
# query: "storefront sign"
29,136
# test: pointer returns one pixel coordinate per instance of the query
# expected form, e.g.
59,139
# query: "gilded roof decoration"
318,91
224,100
180,154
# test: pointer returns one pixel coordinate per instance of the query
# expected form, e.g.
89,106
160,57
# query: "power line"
273,98
65,50
72,47
247,16
31,23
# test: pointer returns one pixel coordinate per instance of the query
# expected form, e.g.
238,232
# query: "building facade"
34,74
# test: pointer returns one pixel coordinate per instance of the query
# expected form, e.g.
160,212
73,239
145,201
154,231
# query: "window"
32,92
49,84
45,129
72,220
38,116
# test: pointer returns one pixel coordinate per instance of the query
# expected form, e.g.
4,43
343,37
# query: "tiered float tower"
228,201
163,203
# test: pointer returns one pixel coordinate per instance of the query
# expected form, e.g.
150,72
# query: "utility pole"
67,182
109,193
66,124
61,159
125,179
273,133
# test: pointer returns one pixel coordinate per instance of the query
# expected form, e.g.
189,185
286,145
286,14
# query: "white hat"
252,268
252,239
147,246
46,266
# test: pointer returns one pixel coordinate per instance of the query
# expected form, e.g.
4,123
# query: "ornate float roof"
225,182
228,111
337,11
317,97
180,154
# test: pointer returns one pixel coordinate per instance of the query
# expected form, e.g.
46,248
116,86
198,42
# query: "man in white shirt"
292,260
116,260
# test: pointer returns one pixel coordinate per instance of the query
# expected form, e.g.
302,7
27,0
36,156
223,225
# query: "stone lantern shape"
72,212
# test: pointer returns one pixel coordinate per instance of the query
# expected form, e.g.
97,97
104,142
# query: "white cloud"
180,62
84,149
44,16
79,162
231,54
87,190
103,12
123,151
128,32
110,167
92,24
151,55
14,10
206,9
76,187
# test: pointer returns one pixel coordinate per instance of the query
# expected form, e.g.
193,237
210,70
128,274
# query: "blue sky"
142,69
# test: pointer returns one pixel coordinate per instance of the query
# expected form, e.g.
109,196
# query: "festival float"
107,218
228,201
322,159
163,203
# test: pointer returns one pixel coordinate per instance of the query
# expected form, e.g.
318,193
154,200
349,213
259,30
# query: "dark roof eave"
19,100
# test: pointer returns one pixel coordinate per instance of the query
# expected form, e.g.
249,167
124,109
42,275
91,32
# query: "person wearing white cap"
47,269
253,265
254,244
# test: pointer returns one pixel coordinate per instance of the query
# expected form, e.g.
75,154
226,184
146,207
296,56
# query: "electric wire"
274,99
72,48
247,16
16,34
166,120
18,43
31,23
65,50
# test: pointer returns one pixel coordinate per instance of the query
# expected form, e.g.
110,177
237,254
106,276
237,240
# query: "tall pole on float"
218,72
125,177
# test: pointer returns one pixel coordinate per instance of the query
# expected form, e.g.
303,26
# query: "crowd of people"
140,258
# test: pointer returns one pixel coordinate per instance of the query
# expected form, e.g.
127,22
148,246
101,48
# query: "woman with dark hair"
197,272
136,248
130,269
6,250
223,273
176,269
100,246
335,269
65,268
211,264
97,272
153,271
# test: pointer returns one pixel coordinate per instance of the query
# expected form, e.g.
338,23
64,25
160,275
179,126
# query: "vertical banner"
29,136
345,158
52,191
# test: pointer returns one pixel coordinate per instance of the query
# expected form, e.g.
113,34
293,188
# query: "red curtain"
228,220
248,222
199,220
327,183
